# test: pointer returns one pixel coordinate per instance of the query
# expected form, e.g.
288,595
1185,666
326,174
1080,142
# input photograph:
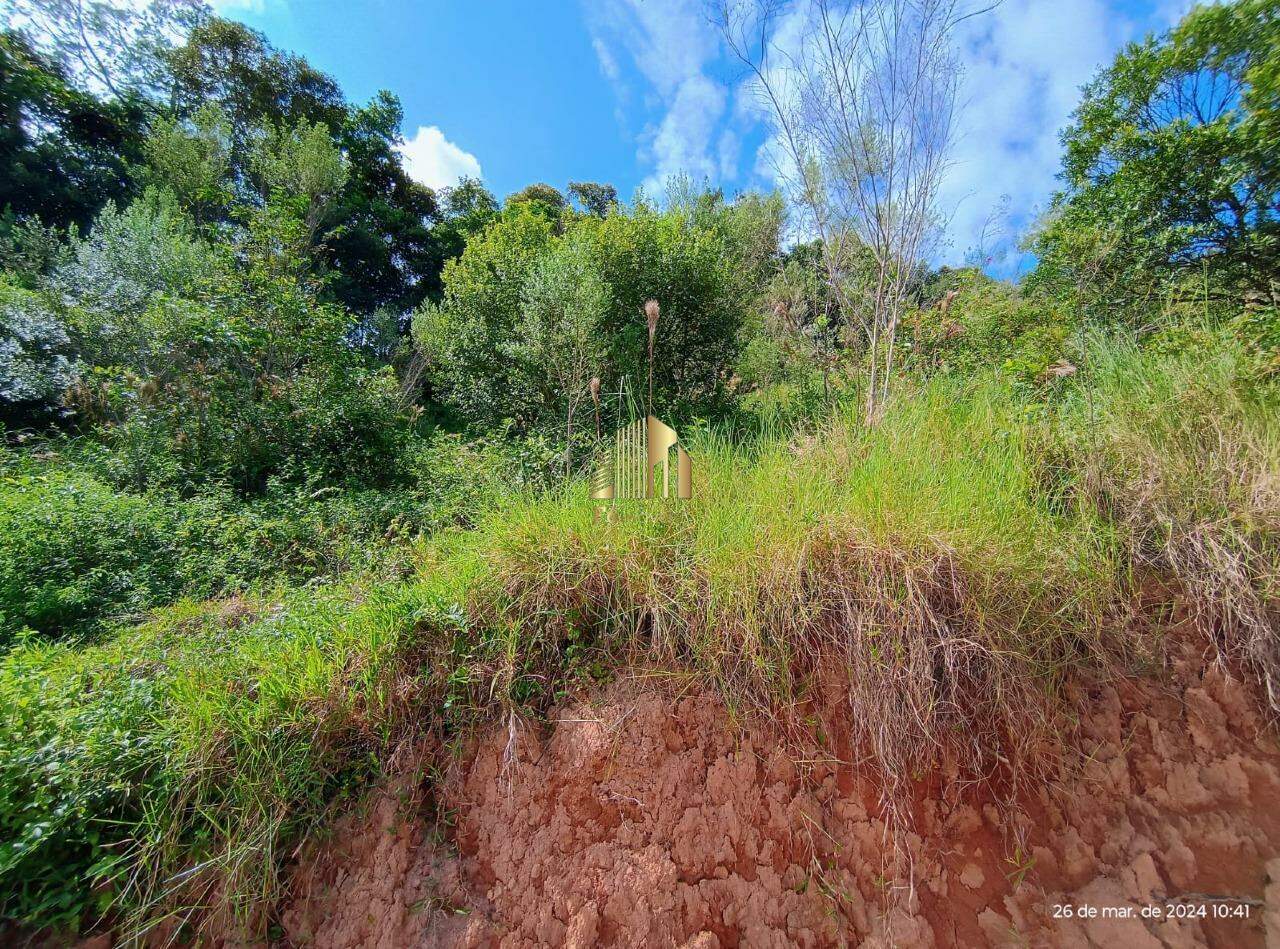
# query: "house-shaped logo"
638,464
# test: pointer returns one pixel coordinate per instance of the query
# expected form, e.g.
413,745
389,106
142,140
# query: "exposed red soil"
646,816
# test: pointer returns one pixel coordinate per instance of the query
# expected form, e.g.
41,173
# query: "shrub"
222,363
520,289
36,364
72,551
78,554
990,325
176,760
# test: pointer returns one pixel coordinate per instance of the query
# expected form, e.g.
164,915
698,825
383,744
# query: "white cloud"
671,45
682,143
435,161
727,150
1024,65
608,65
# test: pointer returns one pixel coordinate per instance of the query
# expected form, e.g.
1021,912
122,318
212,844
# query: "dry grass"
1184,453
906,574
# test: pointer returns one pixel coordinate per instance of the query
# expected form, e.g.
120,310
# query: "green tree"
219,361
384,247
465,340
558,346
301,165
1170,165
229,65
468,208
29,250
63,153
656,256
543,198
193,160
378,237
595,198
36,361
519,276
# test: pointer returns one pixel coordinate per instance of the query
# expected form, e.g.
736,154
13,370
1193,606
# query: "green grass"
947,571
872,555
200,739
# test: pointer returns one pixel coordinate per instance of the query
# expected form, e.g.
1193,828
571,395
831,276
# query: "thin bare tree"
862,98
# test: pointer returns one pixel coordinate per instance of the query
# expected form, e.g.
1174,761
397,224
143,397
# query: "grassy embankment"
952,565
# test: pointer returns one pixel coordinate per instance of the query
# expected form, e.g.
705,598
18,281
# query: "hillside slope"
645,814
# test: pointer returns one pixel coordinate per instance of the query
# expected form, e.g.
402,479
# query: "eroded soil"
644,815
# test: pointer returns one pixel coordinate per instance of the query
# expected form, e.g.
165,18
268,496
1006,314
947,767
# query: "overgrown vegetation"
295,451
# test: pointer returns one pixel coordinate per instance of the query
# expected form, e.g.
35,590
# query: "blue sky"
631,91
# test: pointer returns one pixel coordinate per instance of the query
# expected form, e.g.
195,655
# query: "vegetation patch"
294,449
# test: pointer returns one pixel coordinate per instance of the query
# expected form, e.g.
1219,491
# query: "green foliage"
991,325
229,65
199,746
219,361
794,341
152,756
94,760
194,163
542,198
700,262
236,580
1169,165
301,165
78,554
557,346
468,208
74,551
384,242
463,340
372,224
29,250
594,197
133,260
36,365
63,152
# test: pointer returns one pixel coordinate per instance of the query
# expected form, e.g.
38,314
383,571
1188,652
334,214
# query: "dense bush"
988,324
36,360
219,361
525,302
78,554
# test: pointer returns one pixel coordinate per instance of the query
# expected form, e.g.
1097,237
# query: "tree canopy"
1170,163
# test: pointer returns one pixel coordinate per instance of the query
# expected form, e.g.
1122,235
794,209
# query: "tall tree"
1171,166
230,65
377,237
384,248
594,197
63,152
862,107
543,198
116,48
